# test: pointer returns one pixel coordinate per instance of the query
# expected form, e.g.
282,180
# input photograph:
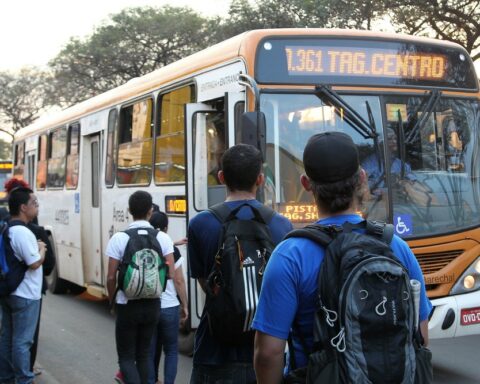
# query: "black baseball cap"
330,156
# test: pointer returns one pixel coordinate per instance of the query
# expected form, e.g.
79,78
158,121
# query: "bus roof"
243,45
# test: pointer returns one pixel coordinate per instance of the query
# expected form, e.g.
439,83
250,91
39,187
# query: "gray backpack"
364,328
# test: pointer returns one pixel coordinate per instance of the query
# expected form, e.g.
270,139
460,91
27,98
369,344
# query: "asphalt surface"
77,346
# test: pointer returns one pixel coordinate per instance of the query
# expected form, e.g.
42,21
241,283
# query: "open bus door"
196,120
208,133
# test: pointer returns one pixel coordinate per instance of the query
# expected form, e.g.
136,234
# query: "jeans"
166,337
134,328
33,350
19,321
232,373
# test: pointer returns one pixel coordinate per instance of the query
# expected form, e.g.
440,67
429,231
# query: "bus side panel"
58,211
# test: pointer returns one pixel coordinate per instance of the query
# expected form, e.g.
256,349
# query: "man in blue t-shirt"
289,288
214,362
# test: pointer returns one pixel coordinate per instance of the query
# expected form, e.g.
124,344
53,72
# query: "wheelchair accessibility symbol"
403,225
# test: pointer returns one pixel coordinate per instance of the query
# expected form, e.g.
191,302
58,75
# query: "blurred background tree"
132,43
22,98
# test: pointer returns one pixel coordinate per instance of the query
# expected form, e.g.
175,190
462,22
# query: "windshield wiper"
401,144
333,99
431,102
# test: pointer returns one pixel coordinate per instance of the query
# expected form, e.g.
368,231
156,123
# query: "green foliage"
134,42
22,98
137,41
454,20
5,150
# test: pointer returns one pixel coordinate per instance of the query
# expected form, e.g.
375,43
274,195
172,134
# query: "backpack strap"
220,211
14,223
378,229
320,234
223,213
324,234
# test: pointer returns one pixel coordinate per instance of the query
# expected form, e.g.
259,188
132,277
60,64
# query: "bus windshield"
422,176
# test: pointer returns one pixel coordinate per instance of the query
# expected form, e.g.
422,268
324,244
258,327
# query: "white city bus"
165,132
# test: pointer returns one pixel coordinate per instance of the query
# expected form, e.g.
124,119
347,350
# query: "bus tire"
56,285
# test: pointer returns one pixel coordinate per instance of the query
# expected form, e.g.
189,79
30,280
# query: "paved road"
77,347
77,342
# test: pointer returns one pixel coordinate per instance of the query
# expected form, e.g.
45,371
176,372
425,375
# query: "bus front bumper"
455,316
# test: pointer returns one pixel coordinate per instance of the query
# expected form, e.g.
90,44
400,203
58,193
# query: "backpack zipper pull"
240,253
264,263
330,320
338,342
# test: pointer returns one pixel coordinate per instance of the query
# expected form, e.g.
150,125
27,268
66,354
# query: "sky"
32,32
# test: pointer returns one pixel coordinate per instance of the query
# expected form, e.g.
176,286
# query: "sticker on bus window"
393,111
403,224
77,202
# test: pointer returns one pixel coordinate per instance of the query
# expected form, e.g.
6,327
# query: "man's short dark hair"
241,165
159,220
337,196
16,198
139,203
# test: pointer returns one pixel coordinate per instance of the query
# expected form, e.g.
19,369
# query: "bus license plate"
470,316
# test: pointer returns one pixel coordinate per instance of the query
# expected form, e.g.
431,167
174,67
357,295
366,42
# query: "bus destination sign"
350,61
342,61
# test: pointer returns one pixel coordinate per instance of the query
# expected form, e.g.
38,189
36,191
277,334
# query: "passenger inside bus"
454,145
374,165
216,145
407,187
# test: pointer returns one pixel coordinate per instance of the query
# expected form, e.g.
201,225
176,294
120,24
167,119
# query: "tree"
453,20
5,150
261,14
22,98
132,43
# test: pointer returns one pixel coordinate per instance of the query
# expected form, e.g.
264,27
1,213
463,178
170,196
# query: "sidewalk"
45,377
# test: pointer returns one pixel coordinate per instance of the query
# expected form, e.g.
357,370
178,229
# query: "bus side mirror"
253,130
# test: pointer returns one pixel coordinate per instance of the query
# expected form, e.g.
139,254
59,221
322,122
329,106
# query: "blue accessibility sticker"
403,224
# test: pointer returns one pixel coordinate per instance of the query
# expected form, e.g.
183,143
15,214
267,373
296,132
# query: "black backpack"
233,285
364,328
142,273
12,270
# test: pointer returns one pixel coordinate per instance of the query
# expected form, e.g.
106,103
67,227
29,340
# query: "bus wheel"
56,285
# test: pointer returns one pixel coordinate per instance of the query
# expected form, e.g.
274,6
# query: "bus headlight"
469,281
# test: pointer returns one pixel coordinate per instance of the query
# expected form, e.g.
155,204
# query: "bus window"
135,147
19,160
41,181
73,149
210,142
111,149
170,136
30,169
56,158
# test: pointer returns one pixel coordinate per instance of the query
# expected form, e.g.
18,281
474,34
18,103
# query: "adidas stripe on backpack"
233,285
365,325
142,273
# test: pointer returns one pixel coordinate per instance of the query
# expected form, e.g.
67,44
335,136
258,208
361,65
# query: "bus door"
91,211
208,133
